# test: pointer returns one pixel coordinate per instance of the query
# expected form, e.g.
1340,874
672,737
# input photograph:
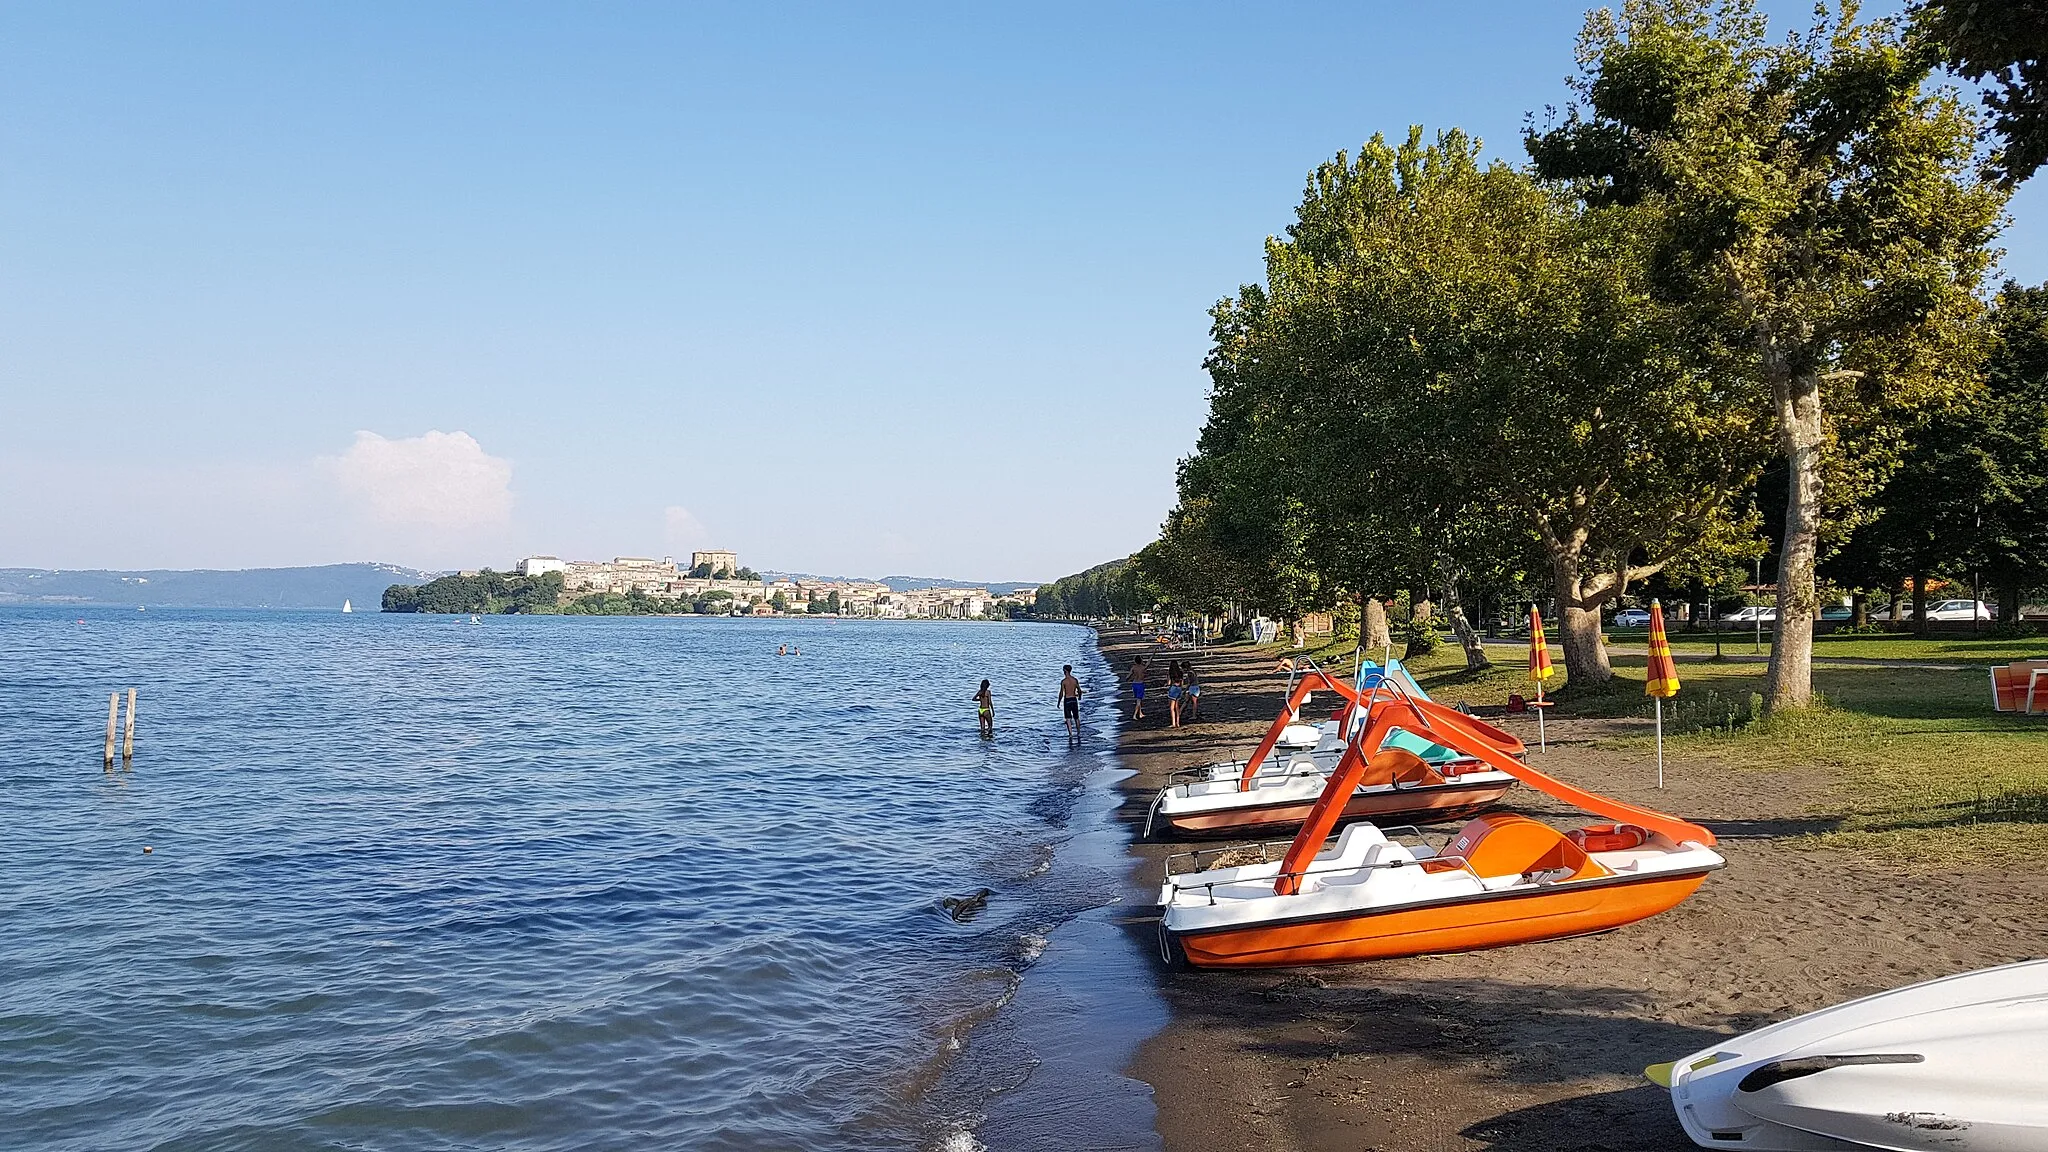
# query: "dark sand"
1541,1046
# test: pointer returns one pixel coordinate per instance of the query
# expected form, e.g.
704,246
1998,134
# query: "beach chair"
2019,687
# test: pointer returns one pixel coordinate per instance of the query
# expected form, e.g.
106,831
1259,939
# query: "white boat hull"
1958,1064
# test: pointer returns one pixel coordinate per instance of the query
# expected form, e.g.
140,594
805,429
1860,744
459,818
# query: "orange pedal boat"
1268,793
1503,879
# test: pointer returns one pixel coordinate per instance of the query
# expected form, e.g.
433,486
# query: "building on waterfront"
721,592
714,561
620,575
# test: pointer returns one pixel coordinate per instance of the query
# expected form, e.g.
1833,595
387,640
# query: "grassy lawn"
1904,752
1940,649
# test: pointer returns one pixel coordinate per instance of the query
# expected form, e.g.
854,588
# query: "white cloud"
441,480
681,531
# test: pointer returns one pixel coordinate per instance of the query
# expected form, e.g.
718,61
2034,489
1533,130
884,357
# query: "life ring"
1608,837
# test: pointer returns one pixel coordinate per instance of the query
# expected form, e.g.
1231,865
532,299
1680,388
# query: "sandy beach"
1542,1046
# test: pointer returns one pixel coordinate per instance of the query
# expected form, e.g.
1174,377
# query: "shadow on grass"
2004,806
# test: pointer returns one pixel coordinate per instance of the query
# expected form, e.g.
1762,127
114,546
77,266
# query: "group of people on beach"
1183,697
1183,692
1069,698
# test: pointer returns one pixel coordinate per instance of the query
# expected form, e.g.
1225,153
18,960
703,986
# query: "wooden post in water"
107,760
128,732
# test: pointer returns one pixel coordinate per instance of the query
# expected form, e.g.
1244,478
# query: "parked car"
1837,612
1750,615
1962,610
1632,618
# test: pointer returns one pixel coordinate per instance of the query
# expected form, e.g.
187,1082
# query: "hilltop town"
713,583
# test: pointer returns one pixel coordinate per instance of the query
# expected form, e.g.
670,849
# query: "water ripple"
543,884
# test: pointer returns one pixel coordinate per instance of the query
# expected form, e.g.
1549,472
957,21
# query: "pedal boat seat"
1501,846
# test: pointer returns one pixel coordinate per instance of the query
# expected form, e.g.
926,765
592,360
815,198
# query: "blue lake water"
557,883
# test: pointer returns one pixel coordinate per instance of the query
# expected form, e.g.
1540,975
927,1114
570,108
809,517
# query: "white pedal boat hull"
1958,1064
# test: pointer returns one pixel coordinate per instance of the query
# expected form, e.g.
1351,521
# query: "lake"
558,883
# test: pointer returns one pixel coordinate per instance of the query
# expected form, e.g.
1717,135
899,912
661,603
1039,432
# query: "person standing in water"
986,702
1070,701
1138,688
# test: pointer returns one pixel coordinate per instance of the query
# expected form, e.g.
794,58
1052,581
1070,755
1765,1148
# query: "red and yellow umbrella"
1539,652
1662,680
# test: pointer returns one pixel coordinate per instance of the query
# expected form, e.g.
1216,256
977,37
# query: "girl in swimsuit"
1173,694
1192,693
987,703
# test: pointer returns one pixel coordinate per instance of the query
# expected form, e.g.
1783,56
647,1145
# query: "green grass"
1940,649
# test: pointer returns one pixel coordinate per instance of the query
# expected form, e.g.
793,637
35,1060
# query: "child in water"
987,704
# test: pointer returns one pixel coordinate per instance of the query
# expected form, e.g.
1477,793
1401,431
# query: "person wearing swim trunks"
987,705
1070,701
1138,688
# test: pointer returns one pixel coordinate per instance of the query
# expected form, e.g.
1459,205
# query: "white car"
1632,618
1962,610
1764,612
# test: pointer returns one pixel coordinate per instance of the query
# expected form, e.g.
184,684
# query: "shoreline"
1540,1045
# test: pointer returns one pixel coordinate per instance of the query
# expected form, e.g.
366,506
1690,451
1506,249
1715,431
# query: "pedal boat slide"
1503,879
1272,793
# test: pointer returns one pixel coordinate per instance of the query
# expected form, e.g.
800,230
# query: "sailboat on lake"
347,607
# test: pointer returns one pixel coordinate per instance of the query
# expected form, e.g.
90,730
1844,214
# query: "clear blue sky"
850,289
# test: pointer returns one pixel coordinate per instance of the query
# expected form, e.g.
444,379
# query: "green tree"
1450,366
2004,42
1818,211
487,591
1971,492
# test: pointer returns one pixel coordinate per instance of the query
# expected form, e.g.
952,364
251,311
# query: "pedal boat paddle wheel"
1502,879
1276,788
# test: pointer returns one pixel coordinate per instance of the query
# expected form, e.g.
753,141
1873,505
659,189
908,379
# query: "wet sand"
1541,1046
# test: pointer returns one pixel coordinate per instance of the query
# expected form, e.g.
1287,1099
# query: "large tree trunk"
1454,605
1859,608
1419,621
1789,681
1374,624
1919,605
1578,633
2009,602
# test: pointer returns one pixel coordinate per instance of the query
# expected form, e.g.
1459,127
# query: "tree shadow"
1772,829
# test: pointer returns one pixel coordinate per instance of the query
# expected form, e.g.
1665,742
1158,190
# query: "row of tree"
485,592
1731,259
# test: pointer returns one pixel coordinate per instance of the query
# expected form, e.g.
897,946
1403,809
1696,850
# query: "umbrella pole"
1542,741
1660,741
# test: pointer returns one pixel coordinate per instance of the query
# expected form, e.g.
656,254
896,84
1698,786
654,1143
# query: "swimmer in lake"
1070,701
985,701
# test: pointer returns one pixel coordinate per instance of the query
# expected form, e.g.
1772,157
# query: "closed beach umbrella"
1539,670
1539,652
1661,680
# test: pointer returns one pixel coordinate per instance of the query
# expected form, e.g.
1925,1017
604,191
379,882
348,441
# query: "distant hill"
325,586
914,583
